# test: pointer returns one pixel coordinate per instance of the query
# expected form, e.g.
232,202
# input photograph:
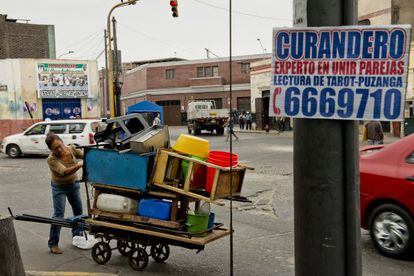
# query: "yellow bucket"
192,145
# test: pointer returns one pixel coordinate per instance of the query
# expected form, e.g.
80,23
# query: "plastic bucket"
222,159
197,222
211,220
198,179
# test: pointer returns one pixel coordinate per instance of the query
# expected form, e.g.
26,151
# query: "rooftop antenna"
261,45
208,52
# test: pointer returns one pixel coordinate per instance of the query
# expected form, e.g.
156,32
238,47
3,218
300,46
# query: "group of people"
245,120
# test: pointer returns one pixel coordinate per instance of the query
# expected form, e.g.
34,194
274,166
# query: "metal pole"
116,70
110,59
326,177
106,107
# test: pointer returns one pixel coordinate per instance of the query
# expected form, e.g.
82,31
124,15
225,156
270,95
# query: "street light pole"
110,55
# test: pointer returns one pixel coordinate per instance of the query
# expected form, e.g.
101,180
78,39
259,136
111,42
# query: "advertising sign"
347,73
63,80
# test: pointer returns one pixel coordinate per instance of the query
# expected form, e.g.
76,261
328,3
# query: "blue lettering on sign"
350,44
282,38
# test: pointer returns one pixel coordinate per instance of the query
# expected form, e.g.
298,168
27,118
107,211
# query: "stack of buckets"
199,149
222,159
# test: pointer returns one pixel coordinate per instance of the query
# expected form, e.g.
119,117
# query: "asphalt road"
263,239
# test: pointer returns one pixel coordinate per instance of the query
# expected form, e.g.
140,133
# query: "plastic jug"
116,204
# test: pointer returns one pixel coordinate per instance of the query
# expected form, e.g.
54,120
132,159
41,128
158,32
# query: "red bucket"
222,159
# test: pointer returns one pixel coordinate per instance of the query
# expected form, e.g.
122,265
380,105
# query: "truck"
203,115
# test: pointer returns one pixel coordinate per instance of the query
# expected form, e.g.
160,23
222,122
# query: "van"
32,140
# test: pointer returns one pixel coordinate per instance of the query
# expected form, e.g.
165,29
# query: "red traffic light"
174,7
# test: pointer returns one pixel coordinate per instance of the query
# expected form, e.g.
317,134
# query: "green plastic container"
197,222
184,164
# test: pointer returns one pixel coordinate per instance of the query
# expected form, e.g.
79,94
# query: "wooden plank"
160,166
163,194
110,187
214,235
136,218
190,194
174,210
215,183
188,178
170,153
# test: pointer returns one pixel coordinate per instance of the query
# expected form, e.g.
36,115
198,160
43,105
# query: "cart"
136,241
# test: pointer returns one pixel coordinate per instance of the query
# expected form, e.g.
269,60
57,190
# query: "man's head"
55,144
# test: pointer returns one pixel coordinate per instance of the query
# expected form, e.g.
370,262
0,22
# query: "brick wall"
18,40
9,127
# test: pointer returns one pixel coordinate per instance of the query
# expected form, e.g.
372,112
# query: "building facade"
386,12
23,40
174,84
46,88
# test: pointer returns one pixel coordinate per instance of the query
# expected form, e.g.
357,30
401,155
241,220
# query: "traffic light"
174,7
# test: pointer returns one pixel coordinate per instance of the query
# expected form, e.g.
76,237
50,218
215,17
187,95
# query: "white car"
32,140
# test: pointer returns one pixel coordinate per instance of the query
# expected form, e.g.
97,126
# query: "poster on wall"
344,73
63,80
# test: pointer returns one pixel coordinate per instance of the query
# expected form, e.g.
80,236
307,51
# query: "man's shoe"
56,250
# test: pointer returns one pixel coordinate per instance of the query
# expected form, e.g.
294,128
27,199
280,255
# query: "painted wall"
260,78
20,77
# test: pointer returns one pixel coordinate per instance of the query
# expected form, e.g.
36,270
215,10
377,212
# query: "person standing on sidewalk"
375,134
241,121
63,166
248,121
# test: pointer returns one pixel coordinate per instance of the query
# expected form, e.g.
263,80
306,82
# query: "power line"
243,13
156,39
81,41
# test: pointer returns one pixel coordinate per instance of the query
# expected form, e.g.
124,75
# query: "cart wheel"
160,252
124,247
101,253
138,259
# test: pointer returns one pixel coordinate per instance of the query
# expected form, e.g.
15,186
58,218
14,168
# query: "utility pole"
326,175
110,56
106,107
116,71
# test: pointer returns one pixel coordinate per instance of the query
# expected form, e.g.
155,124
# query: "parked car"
387,196
32,140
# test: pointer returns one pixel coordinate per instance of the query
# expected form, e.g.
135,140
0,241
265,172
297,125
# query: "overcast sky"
147,30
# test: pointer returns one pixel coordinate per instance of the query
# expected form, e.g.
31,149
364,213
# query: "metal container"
150,139
110,167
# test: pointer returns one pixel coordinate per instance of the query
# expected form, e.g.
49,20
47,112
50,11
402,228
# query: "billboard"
62,80
346,73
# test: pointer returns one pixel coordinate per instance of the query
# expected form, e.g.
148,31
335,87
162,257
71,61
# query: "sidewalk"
388,137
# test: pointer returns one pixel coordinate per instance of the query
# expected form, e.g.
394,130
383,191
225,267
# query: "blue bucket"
211,220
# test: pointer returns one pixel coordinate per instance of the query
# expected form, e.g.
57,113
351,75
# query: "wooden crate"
167,175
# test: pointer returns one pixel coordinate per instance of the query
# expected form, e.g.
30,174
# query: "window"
207,71
200,72
76,128
57,129
410,158
245,68
37,130
169,74
243,103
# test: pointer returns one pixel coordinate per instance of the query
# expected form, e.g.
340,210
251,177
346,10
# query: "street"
263,238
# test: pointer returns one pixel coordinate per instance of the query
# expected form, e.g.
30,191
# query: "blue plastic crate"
154,208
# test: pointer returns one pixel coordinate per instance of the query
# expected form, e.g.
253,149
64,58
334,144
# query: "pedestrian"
241,121
157,120
248,120
374,132
230,131
63,166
